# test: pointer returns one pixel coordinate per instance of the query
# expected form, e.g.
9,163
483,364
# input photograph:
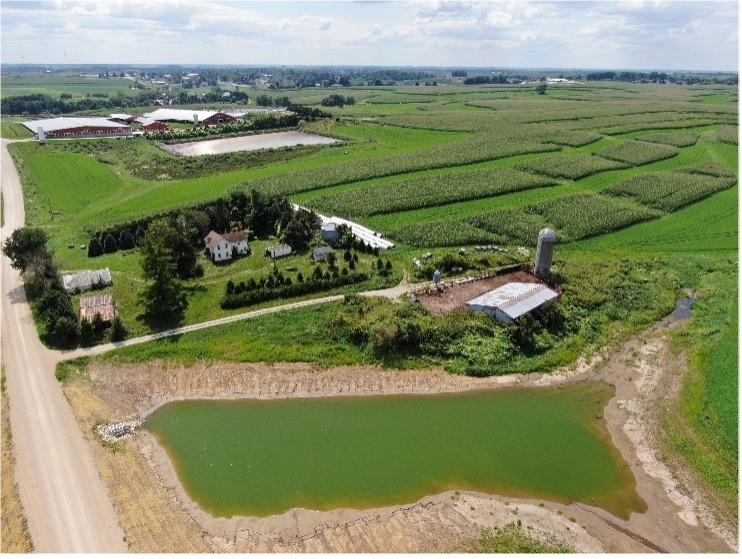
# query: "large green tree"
163,296
24,246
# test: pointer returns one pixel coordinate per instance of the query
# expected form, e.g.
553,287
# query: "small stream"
682,310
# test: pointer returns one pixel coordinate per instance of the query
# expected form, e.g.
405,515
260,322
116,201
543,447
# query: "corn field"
579,216
637,153
670,191
572,167
428,191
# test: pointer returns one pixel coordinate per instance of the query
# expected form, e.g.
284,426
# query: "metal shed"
512,300
86,279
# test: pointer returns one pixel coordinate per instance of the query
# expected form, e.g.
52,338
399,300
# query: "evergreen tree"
94,248
109,244
164,295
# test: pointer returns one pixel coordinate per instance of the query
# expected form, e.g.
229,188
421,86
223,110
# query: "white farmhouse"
221,247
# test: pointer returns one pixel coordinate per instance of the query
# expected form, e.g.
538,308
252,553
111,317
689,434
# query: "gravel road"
65,501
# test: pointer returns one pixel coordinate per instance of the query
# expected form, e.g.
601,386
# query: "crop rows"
444,232
679,140
474,149
711,168
572,138
572,167
510,225
669,125
728,135
424,192
648,118
579,216
669,191
637,153
574,217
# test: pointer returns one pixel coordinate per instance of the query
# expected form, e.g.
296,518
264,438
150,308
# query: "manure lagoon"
252,142
264,457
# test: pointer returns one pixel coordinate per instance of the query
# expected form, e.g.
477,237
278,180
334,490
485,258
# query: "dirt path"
674,521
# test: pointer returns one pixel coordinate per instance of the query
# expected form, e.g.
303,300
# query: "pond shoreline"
674,521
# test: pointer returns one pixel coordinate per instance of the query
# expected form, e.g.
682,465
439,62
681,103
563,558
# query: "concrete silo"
545,251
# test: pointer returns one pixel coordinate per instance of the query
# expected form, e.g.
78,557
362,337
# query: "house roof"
213,239
322,250
64,123
235,236
80,281
514,299
144,121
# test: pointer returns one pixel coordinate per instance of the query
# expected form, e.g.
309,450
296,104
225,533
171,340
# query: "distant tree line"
336,100
39,103
493,79
660,77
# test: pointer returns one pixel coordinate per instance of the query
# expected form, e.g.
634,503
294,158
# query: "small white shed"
512,300
278,251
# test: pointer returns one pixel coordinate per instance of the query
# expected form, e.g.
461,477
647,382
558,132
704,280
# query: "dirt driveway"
453,296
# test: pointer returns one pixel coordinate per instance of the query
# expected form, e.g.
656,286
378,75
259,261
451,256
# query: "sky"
597,34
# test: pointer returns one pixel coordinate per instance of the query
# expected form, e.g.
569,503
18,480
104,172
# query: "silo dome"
547,233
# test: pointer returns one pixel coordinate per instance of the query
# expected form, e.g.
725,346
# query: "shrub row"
252,297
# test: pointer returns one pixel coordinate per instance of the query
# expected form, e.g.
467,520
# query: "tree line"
660,77
27,251
40,103
252,212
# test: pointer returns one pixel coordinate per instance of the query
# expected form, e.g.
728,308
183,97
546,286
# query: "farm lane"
65,501
391,293
97,350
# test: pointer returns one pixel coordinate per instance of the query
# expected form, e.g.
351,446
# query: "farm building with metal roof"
512,300
87,279
191,116
64,127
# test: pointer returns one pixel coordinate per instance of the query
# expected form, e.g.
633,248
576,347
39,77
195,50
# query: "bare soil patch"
453,296
158,515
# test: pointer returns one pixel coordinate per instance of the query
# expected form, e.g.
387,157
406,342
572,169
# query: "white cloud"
589,33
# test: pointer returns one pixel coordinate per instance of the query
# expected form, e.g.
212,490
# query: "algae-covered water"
264,457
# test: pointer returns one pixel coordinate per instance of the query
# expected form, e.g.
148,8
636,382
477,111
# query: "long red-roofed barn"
65,127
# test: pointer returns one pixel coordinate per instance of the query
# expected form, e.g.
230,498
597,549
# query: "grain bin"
545,251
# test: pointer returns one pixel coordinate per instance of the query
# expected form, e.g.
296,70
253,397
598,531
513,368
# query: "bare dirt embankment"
158,516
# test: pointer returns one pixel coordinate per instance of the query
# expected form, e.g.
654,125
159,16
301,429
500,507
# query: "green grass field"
56,84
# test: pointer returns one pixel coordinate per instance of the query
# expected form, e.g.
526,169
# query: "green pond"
264,457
